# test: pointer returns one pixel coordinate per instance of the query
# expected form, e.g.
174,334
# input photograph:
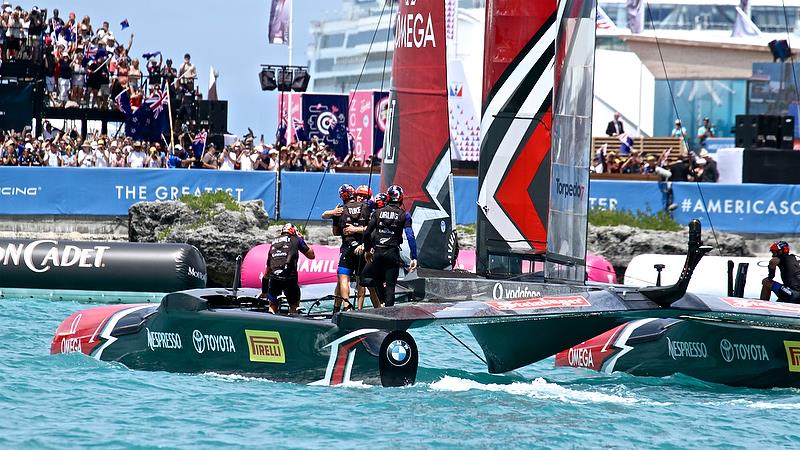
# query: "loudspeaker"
267,79
213,115
285,79
746,131
770,166
780,50
301,79
787,133
768,131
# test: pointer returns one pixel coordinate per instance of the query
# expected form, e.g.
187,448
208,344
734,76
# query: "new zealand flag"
150,122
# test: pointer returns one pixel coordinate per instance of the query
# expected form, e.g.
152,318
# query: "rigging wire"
350,105
677,115
465,345
791,54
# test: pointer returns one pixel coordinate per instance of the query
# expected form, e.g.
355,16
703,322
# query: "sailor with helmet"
280,275
789,291
382,240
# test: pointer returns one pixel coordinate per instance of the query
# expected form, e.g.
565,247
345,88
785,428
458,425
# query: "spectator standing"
64,78
101,155
681,168
187,73
679,131
227,161
615,127
710,172
68,159
83,153
209,159
705,131
136,157
53,157
246,160
154,160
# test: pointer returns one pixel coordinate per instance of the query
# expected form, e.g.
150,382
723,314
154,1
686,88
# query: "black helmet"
394,194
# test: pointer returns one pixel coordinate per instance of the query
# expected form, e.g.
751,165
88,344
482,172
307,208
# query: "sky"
231,36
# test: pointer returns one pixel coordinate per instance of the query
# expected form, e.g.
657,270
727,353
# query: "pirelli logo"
793,355
265,346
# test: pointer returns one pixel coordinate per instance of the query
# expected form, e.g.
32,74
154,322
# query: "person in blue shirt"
382,240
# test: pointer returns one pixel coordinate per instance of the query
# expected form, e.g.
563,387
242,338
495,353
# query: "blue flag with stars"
150,122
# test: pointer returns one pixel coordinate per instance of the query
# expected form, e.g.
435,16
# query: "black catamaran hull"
192,332
734,355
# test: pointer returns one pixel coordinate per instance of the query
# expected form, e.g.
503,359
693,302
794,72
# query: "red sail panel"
514,168
417,153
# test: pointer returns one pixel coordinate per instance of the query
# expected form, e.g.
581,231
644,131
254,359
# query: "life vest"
790,271
357,214
283,255
391,220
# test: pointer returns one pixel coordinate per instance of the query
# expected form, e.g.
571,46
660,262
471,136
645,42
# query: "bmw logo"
398,353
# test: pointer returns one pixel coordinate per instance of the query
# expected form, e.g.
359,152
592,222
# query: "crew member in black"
280,275
346,193
352,223
789,291
382,240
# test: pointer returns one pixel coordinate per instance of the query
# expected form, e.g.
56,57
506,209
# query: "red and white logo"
762,305
540,303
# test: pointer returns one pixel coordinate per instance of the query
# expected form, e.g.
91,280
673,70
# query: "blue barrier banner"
110,192
626,195
740,208
466,199
299,190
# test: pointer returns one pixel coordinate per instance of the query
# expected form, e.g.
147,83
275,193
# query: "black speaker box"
787,133
770,166
213,115
746,131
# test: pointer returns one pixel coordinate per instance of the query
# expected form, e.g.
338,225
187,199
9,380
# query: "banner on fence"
110,192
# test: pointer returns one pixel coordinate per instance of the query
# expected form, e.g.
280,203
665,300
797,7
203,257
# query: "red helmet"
364,191
289,229
394,194
779,247
379,200
346,192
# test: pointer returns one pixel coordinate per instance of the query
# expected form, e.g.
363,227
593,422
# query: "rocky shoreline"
224,231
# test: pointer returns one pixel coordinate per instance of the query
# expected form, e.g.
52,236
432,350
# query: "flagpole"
289,121
171,132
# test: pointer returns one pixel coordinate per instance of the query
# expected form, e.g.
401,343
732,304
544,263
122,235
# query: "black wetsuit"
355,213
789,291
282,264
385,234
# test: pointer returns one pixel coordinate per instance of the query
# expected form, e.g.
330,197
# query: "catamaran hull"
720,353
182,336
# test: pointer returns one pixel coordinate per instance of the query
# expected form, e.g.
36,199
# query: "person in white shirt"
154,161
227,161
68,159
52,158
136,157
88,158
246,160
101,155
82,154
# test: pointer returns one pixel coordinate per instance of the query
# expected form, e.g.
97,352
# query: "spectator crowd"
688,166
58,149
85,65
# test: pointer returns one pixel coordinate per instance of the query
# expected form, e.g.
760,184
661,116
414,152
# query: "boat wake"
538,388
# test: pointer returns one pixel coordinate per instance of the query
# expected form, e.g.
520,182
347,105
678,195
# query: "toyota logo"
199,343
398,352
726,349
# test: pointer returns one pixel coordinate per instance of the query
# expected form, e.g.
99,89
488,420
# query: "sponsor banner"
361,123
298,189
265,346
321,269
465,122
380,102
740,208
762,305
280,21
540,303
686,349
325,117
793,355
110,192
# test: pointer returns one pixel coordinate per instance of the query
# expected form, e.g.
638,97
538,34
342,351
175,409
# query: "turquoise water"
72,401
